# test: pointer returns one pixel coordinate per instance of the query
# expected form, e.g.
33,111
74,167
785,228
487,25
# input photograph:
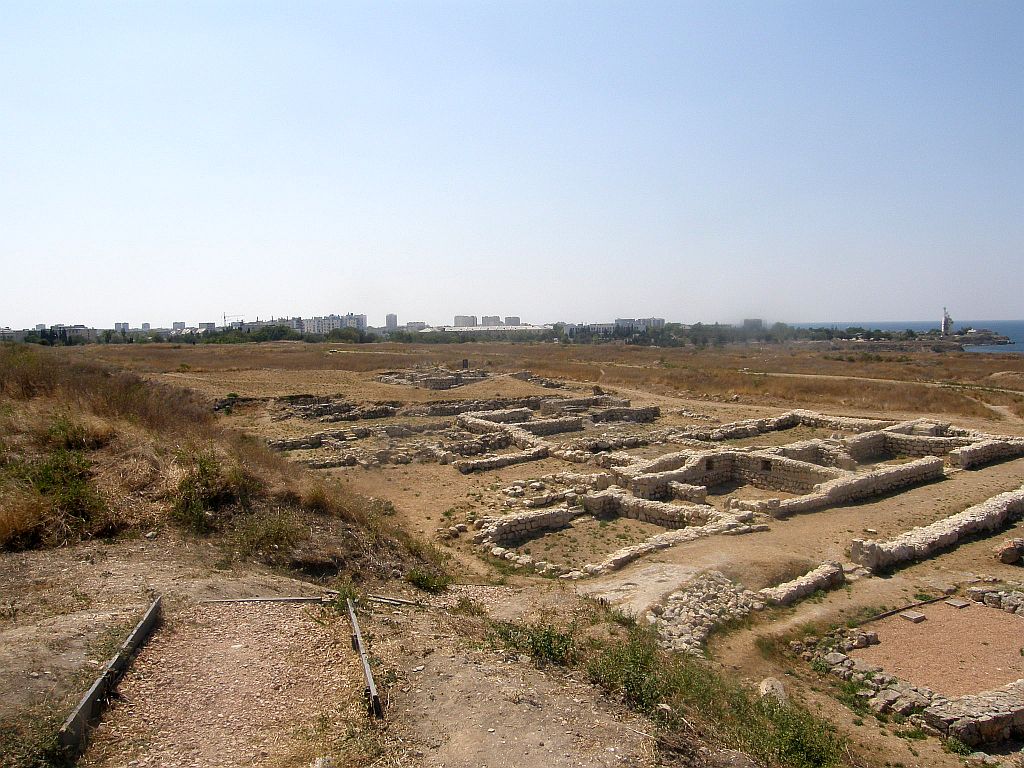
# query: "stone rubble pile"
533,378
825,577
690,614
917,543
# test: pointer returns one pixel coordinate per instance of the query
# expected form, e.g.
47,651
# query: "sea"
1013,329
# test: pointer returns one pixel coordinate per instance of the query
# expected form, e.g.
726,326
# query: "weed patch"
428,580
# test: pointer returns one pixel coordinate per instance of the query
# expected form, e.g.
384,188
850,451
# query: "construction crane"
231,317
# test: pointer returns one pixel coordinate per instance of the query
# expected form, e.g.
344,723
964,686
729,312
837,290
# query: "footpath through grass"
690,701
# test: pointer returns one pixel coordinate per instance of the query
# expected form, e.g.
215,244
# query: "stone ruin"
688,615
983,719
921,542
433,377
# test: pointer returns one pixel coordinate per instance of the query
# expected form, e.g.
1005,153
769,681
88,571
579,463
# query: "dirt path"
466,704
232,684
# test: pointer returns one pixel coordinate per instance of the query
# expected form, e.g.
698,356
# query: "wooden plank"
72,733
372,697
303,599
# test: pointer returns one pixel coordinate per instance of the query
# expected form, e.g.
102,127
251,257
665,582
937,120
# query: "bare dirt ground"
66,610
953,651
468,704
233,684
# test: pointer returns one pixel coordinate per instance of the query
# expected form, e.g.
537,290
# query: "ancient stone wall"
455,407
853,487
504,460
516,527
552,406
760,469
553,426
644,414
985,452
698,494
616,501
866,447
990,717
826,576
897,444
505,415
917,543
826,453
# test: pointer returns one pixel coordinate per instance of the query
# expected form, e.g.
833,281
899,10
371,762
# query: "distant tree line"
671,335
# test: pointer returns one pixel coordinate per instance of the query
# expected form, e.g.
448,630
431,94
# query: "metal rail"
374,705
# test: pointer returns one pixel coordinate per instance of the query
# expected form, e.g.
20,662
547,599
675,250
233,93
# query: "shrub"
200,493
631,669
543,641
272,529
428,580
956,747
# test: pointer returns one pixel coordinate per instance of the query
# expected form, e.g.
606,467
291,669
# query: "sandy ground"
232,684
953,651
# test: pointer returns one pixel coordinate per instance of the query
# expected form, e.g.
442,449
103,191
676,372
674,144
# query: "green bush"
543,641
201,492
956,747
428,580
631,668
272,529
63,478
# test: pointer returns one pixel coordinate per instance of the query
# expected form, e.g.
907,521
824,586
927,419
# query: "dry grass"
87,451
851,379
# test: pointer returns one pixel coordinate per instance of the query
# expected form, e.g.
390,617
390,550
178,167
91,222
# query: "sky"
560,161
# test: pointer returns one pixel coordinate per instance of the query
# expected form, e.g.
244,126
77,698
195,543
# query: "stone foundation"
849,488
985,452
646,414
825,577
921,542
504,460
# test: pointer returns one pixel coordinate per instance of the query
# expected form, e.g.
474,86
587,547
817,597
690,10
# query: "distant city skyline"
696,161
400,322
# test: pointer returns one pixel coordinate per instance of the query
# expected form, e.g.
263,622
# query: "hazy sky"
554,160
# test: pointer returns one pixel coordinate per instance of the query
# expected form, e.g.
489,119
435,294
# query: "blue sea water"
1014,329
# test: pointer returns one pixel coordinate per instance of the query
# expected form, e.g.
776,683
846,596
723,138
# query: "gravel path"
232,685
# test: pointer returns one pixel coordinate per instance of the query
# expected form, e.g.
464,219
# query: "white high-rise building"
465,321
391,322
